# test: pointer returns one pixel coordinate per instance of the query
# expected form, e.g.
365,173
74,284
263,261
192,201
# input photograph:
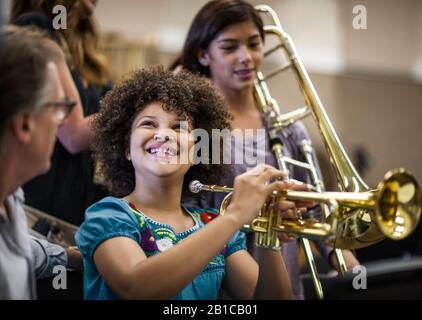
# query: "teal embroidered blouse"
114,217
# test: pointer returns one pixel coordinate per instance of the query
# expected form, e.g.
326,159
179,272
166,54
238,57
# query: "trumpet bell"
399,209
394,214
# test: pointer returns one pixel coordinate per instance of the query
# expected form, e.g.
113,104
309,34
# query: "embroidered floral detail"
207,216
165,233
164,244
141,222
156,237
148,243
138,215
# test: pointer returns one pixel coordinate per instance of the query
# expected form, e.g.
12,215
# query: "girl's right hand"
251,190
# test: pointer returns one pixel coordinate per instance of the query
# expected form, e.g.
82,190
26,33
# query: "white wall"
4,8
389,45
417,61
313,26
321,29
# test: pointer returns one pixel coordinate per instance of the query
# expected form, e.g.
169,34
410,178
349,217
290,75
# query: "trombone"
357,216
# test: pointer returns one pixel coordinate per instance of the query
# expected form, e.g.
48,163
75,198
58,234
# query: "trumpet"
395,206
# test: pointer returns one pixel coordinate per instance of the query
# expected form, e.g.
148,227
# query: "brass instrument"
276,121
396,206
351,219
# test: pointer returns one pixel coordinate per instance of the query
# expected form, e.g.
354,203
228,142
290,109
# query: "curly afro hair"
191,97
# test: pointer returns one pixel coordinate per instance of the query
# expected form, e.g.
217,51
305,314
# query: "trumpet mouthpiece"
195,186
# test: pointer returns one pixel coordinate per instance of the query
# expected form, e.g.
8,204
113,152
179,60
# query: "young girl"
143,244
225,44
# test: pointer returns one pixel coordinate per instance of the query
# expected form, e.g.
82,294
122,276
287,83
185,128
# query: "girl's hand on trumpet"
251,190
291,210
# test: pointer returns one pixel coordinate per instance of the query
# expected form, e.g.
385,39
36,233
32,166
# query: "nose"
165,135
163,138
244,55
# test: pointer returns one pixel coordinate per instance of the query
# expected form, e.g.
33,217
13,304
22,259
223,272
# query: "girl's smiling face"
161,143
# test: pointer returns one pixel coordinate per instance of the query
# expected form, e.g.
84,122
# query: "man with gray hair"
32,106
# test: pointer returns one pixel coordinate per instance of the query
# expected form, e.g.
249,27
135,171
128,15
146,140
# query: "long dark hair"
213,18
79,41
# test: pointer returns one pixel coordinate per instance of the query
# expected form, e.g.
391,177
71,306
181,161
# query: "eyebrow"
253,37
136,121
154,118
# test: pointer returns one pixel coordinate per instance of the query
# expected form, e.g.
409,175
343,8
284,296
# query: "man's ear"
203,58
22,126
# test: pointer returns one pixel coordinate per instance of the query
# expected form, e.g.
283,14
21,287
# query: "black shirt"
67,189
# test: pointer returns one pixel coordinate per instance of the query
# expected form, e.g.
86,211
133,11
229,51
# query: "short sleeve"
45,256
237,243
299,131
108,218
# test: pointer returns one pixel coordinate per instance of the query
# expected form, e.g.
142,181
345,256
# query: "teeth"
166,151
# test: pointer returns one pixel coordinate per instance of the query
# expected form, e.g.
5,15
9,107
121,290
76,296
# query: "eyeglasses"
62,108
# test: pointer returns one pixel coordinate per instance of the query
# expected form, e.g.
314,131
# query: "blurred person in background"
69,187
